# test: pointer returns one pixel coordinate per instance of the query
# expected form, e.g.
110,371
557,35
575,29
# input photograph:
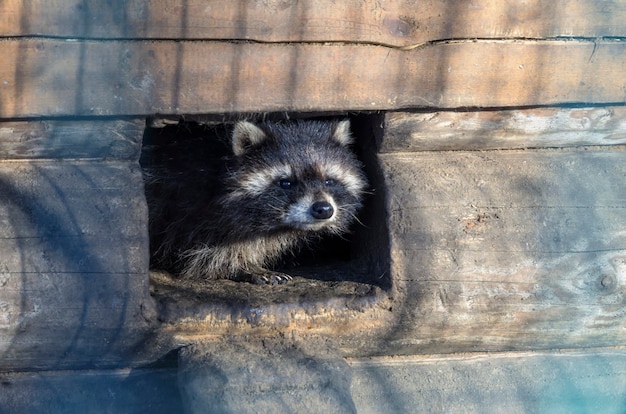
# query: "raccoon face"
298,176
310,209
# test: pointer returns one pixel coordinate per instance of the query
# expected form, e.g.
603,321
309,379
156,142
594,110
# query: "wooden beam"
392,22
83,391
507,249
73,265
54,77
521,382
94,139
504,129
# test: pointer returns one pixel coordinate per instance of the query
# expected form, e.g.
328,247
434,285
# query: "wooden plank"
521,382
73,265
243,374
507,250
590,381
91,391
94,139
53,78
68,320
504,129
391,22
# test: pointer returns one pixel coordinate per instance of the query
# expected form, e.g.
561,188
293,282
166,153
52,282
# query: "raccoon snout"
322,210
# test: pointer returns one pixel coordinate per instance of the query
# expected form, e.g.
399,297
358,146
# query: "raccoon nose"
322,210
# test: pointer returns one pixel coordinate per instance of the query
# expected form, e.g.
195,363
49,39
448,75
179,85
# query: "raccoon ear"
342,132
246,135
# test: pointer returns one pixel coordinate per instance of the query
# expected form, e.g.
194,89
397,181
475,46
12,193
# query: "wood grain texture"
95,139
507,250
73,265
91,391
515,383
391,22
504,129
55,78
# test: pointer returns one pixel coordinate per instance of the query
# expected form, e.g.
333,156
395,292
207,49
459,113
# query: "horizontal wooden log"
552,382
504,129
73,265
65,320
245,375
54,78
392,22
507,250
565,381
94,139
91,391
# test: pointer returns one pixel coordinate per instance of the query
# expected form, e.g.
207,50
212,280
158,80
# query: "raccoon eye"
286,184
329,182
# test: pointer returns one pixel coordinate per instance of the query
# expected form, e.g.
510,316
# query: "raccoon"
281,185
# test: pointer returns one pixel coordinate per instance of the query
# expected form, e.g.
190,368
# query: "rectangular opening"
349,264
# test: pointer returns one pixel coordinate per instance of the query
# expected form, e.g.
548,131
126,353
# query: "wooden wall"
505,249
73,243
498,240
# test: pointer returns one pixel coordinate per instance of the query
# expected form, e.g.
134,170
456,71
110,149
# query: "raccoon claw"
278,279
268,277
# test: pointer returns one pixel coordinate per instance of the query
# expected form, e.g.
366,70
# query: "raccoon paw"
266,277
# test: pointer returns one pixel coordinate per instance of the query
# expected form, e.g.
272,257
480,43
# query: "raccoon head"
298,175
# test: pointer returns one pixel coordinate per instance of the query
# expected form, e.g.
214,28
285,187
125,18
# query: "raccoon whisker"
339,233
356,219
352,215
349,208
265,209
275,207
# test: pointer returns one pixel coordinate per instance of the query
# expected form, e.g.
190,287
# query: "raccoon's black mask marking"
283,184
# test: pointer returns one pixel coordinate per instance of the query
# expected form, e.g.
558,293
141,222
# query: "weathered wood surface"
267,374
504,129
56,77
94,139
591,381
391,22
129,391
500,250
74,265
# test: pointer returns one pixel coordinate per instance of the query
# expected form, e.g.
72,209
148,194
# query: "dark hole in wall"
360,256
